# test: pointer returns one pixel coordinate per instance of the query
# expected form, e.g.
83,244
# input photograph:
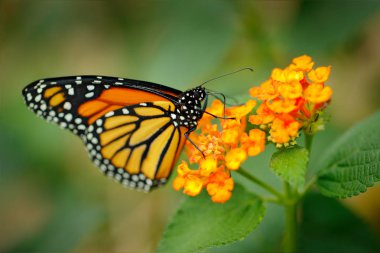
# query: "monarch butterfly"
133,130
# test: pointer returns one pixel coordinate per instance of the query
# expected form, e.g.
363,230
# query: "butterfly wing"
76,102
137,145
127,125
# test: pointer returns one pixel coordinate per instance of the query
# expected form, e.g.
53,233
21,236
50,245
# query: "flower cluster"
292,99
218,151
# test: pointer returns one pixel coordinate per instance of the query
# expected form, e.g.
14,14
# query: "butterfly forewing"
76,102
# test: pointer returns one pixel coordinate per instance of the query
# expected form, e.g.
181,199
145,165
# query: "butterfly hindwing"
76,102
137,145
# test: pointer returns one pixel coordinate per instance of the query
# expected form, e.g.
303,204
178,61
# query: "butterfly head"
190,105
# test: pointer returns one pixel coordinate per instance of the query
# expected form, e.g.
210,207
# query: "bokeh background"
52,199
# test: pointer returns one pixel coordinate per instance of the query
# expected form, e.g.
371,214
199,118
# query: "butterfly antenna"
234,72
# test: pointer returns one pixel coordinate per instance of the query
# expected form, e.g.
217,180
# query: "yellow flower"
286,75
254,143
302,63
264,115
238,112
193,185
220,186
290,90
188,179
235,157
231,136
216,108
282,105
267,90
284,128
320,75
317,93
208,166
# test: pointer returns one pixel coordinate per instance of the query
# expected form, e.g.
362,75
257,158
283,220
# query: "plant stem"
290,221
257,181
308,141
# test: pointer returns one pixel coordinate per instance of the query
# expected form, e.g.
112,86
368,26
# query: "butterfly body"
133,130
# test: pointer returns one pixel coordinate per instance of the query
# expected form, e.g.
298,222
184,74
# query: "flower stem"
290,221
308,141
257,181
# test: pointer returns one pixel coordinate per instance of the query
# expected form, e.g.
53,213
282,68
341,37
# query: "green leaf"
335,229
352,163
199,223
290,164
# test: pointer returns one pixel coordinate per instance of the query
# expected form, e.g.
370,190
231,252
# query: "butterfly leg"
188,138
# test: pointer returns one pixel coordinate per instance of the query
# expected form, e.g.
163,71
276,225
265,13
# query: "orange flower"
317,93
208,166
220,186
188,179
302,63
282,105
216,109
267,90
284,128
290,100
254,143
287,75
235,157
264,115
240,111
290,90
320,75
193,186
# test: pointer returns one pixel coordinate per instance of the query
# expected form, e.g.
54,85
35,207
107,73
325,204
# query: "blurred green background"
54,200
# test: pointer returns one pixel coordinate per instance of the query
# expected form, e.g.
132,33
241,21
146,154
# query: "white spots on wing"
38,98
81,127
68,117
53,82
29,96
67,105
109,114
143,104
99,77
118,83
106,86
89,95
78,120
68,86
125,111
78,82
96,81
90,87
99,122
79,78
43,107
71,91
120,79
